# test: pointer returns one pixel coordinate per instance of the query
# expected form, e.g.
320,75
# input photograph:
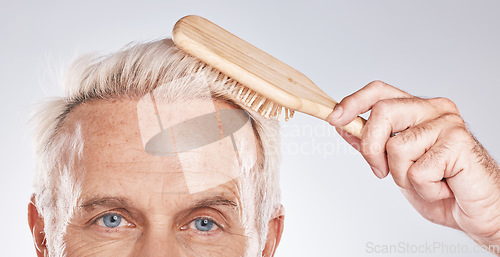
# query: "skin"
443,171
149,194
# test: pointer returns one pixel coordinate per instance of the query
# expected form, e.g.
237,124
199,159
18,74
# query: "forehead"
117,134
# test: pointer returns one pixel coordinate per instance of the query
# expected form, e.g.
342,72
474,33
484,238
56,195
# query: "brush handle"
355,127
320,111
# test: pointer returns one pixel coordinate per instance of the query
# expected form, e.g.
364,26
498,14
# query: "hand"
424,144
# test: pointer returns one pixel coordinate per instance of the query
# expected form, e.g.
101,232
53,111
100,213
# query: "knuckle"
348,101
400,179
394,146
377,84
415,176
382,107
418,181
446,104
410,135
453,118
458,134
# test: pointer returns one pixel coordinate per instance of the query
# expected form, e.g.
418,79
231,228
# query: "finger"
405,148
388,117
362,101
427,174
356,143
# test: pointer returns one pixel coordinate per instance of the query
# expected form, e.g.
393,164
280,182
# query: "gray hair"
132,72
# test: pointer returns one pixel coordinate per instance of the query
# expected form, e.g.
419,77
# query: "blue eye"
110,220
204,225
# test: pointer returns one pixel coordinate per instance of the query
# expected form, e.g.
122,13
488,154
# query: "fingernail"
335,115
377,172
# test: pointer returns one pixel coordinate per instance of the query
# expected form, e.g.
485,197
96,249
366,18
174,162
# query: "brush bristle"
246,96
258,103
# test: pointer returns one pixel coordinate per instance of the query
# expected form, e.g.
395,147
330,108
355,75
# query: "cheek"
227,245
81,242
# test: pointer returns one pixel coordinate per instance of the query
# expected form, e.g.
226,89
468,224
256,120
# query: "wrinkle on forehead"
119,130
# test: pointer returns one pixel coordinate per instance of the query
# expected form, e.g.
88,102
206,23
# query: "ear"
36,224
275,230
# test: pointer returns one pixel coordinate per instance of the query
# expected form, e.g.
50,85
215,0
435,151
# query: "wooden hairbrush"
267,84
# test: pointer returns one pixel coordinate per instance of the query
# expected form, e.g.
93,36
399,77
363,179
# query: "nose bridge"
158,244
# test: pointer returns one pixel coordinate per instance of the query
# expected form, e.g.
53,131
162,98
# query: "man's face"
136,202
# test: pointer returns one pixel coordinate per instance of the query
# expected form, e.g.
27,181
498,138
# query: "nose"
158,245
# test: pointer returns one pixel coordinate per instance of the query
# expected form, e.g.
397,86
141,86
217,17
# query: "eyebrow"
215,201
105,201
123,202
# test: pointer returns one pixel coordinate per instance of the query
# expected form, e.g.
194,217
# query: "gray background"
334,205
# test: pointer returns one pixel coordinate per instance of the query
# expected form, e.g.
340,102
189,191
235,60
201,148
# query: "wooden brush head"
250,66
